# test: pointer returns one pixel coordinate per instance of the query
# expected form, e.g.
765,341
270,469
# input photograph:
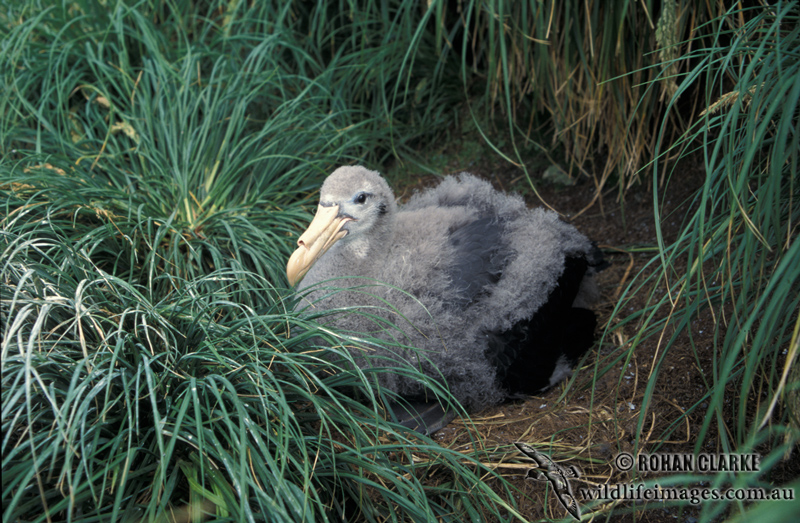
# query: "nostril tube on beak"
325,230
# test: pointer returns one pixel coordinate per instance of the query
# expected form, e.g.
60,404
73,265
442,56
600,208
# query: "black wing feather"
479,258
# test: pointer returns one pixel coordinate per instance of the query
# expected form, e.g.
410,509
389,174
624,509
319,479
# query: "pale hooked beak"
325,230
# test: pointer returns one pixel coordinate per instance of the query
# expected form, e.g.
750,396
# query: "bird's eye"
361,198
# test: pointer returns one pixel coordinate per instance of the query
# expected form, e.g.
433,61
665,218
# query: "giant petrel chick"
484,293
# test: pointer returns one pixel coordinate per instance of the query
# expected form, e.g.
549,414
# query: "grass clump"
736,260
156,160
120,406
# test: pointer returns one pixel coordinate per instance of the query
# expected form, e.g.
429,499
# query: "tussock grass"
156,162
736,259
578,72
135,407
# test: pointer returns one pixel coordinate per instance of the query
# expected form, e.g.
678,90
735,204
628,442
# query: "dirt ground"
577,426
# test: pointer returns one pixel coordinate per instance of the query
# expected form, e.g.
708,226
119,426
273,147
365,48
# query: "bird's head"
355,205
